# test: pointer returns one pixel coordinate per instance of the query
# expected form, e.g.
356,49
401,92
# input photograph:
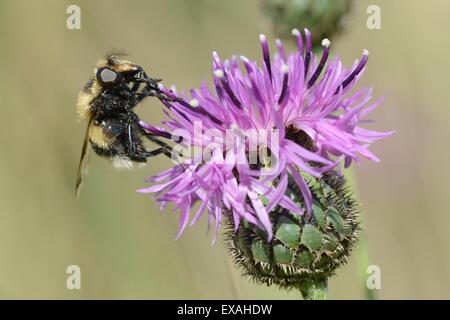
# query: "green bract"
304,251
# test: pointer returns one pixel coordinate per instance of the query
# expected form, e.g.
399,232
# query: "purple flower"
300,103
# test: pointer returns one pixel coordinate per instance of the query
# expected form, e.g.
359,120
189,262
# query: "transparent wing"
83,160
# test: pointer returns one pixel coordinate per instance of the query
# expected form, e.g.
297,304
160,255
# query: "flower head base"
291,117
304,250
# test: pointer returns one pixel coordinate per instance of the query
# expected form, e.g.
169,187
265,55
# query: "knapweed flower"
303,106
264,150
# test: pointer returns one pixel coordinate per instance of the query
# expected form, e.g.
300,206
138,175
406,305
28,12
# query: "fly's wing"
82,166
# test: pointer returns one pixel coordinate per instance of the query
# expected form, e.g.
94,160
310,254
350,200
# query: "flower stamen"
194,103
355,72
296,33
285,71
266,54
326,44
224,81
308,50
281,50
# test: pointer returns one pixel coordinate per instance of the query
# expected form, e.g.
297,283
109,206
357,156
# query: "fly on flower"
107,102
306,98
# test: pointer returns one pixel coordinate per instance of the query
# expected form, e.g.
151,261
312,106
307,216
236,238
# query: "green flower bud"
305,251
324,18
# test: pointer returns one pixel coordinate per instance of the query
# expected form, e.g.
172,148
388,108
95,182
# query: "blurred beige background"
122,243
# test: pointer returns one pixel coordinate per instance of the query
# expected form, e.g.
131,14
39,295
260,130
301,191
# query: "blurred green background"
124,246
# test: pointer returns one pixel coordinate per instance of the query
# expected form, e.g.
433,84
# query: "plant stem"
362,250
362,262
315,289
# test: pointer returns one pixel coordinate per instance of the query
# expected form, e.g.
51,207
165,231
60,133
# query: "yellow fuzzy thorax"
88,94
85,98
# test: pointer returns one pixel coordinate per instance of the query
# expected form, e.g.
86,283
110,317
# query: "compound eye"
107,76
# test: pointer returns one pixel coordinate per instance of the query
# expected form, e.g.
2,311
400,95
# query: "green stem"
363,262
362,250
315,289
